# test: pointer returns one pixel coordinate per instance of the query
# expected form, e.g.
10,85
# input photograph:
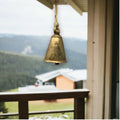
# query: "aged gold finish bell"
55,52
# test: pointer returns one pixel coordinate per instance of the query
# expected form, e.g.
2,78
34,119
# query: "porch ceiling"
79,5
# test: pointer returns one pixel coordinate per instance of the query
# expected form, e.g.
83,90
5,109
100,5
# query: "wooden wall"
64,83
99,59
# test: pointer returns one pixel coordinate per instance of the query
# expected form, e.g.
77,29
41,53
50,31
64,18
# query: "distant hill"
37,45
19,70
25,58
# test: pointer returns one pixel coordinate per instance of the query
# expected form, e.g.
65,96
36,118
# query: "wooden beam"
96,58
79,111
75,6
90,54
51,112
23,109
46,3
16,96
108,70
38,112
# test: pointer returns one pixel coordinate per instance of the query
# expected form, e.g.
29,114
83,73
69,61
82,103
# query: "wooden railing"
23,98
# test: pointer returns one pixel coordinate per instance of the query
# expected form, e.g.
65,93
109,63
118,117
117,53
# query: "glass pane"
26,27
54,105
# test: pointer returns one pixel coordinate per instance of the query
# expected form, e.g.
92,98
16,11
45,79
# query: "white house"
64,78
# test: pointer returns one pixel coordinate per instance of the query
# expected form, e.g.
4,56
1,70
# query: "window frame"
99,58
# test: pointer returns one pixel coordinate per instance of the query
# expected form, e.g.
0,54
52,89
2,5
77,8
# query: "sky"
29,17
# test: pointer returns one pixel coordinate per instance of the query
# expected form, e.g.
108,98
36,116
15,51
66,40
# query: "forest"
22,57
19,70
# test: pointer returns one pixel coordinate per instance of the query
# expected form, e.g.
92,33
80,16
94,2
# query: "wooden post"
96,58
79,111
23,109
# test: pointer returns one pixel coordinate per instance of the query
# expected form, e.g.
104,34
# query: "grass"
42,106
45,106
13,90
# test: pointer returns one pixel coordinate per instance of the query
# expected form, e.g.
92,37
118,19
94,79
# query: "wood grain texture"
96,58
79,106
79,5
90,55
46,3
108,70
99,58
23,98
23,109
75,6
16,96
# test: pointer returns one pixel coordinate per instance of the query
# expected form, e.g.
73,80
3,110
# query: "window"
26,29
25,32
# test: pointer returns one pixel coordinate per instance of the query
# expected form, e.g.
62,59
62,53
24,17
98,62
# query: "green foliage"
9,81
76,49
42,106
2,107
19,70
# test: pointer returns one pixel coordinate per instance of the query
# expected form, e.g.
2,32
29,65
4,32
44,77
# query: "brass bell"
55,52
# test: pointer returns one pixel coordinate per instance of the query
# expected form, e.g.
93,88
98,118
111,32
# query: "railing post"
23,109
79,111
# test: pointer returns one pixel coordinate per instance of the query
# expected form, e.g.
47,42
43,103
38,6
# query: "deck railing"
79,96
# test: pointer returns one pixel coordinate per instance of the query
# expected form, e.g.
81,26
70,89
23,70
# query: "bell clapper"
57,63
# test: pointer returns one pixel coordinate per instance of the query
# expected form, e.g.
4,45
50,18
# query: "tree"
3,109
